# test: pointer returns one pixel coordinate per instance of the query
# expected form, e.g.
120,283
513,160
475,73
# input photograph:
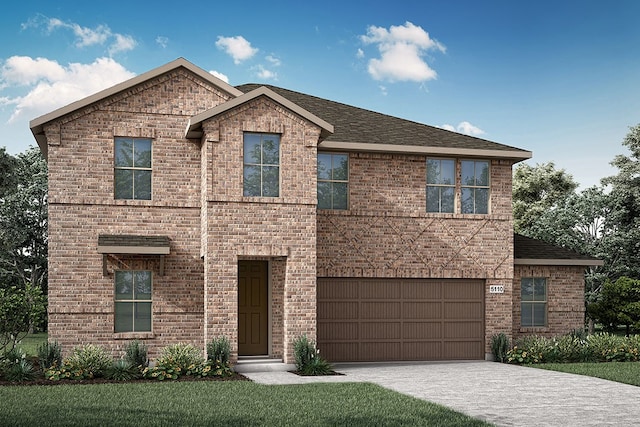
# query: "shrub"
180,356
49,354
15,366
93,360
123,370
500,346
219,349
308,360
136,354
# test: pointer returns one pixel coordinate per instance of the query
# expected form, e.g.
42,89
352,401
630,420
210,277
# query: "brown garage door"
400,319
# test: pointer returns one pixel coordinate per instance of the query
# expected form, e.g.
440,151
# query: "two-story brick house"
182,209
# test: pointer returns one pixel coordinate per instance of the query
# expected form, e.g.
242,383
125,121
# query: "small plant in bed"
308,359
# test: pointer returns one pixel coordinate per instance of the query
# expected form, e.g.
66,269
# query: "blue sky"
559,78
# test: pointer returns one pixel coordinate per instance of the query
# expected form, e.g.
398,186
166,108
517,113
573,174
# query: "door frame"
267,286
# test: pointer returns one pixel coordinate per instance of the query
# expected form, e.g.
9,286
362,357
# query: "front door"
253,311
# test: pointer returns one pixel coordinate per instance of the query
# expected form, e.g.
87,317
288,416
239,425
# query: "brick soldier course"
196,125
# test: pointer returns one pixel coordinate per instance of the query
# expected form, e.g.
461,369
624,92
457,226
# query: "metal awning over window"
134,245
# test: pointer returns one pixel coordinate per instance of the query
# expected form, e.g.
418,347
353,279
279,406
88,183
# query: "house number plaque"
496,289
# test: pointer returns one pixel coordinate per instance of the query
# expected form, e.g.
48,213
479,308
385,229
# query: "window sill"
534,329
133,335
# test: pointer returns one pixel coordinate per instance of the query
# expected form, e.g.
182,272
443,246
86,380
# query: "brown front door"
253,311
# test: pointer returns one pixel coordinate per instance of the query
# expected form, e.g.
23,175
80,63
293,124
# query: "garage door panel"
422,310
422,350
400,319
338,310
337,331
469,330
422,330
463,310
380,310
380,330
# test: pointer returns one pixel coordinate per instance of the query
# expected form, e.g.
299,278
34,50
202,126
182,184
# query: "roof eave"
560,262
38,123
516,155
194,125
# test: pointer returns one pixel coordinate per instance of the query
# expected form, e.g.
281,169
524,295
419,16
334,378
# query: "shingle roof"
533,251
357,125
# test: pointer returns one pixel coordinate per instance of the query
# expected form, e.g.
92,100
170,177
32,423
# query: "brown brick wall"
387,232
565,299
281,229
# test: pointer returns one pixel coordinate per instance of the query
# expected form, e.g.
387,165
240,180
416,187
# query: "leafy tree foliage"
20,308
23,222
618,304
536,190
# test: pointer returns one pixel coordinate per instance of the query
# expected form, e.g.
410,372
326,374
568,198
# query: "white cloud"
85,36
360,54
237,47
273,60
162,41
52,85
402,50
221,76
265,74
465,128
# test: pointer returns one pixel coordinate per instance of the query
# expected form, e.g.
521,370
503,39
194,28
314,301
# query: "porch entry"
253,308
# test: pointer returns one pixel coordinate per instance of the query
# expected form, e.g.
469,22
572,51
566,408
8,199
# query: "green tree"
23,223
537,189
624,191
618,304
20,308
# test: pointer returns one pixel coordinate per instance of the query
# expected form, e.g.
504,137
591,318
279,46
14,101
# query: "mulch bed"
43,381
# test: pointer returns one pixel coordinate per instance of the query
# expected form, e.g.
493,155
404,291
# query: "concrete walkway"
505,395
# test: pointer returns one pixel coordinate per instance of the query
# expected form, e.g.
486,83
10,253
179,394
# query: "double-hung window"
261,170
333,181
533,302
441,185
132,170
475,186
133,301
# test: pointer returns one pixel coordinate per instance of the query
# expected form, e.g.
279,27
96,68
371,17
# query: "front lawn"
622,372
229,403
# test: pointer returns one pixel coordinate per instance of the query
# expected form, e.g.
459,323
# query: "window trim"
133,301
533,303
133,168
262,165
331,180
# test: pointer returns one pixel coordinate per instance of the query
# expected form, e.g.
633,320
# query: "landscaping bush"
180,356
90,359
49,354
123,370
219,349
136,354
499,347
308,360
15,367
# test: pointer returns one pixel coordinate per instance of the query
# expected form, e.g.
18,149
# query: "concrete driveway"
505,395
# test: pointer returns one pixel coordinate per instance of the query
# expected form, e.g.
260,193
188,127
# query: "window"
534,302
475,186
261,165
132,175
440,185
132,301
333,181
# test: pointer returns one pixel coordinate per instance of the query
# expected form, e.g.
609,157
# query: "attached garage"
363,319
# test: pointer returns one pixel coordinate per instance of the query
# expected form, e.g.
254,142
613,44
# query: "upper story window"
475,186
441,185
132,301
132,170
333,181
261,165
533,304
449,180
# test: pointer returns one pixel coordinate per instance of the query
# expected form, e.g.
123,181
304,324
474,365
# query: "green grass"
622,372
228,403
30,343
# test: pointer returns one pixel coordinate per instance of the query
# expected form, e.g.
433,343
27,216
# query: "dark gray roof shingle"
528,248
353,124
